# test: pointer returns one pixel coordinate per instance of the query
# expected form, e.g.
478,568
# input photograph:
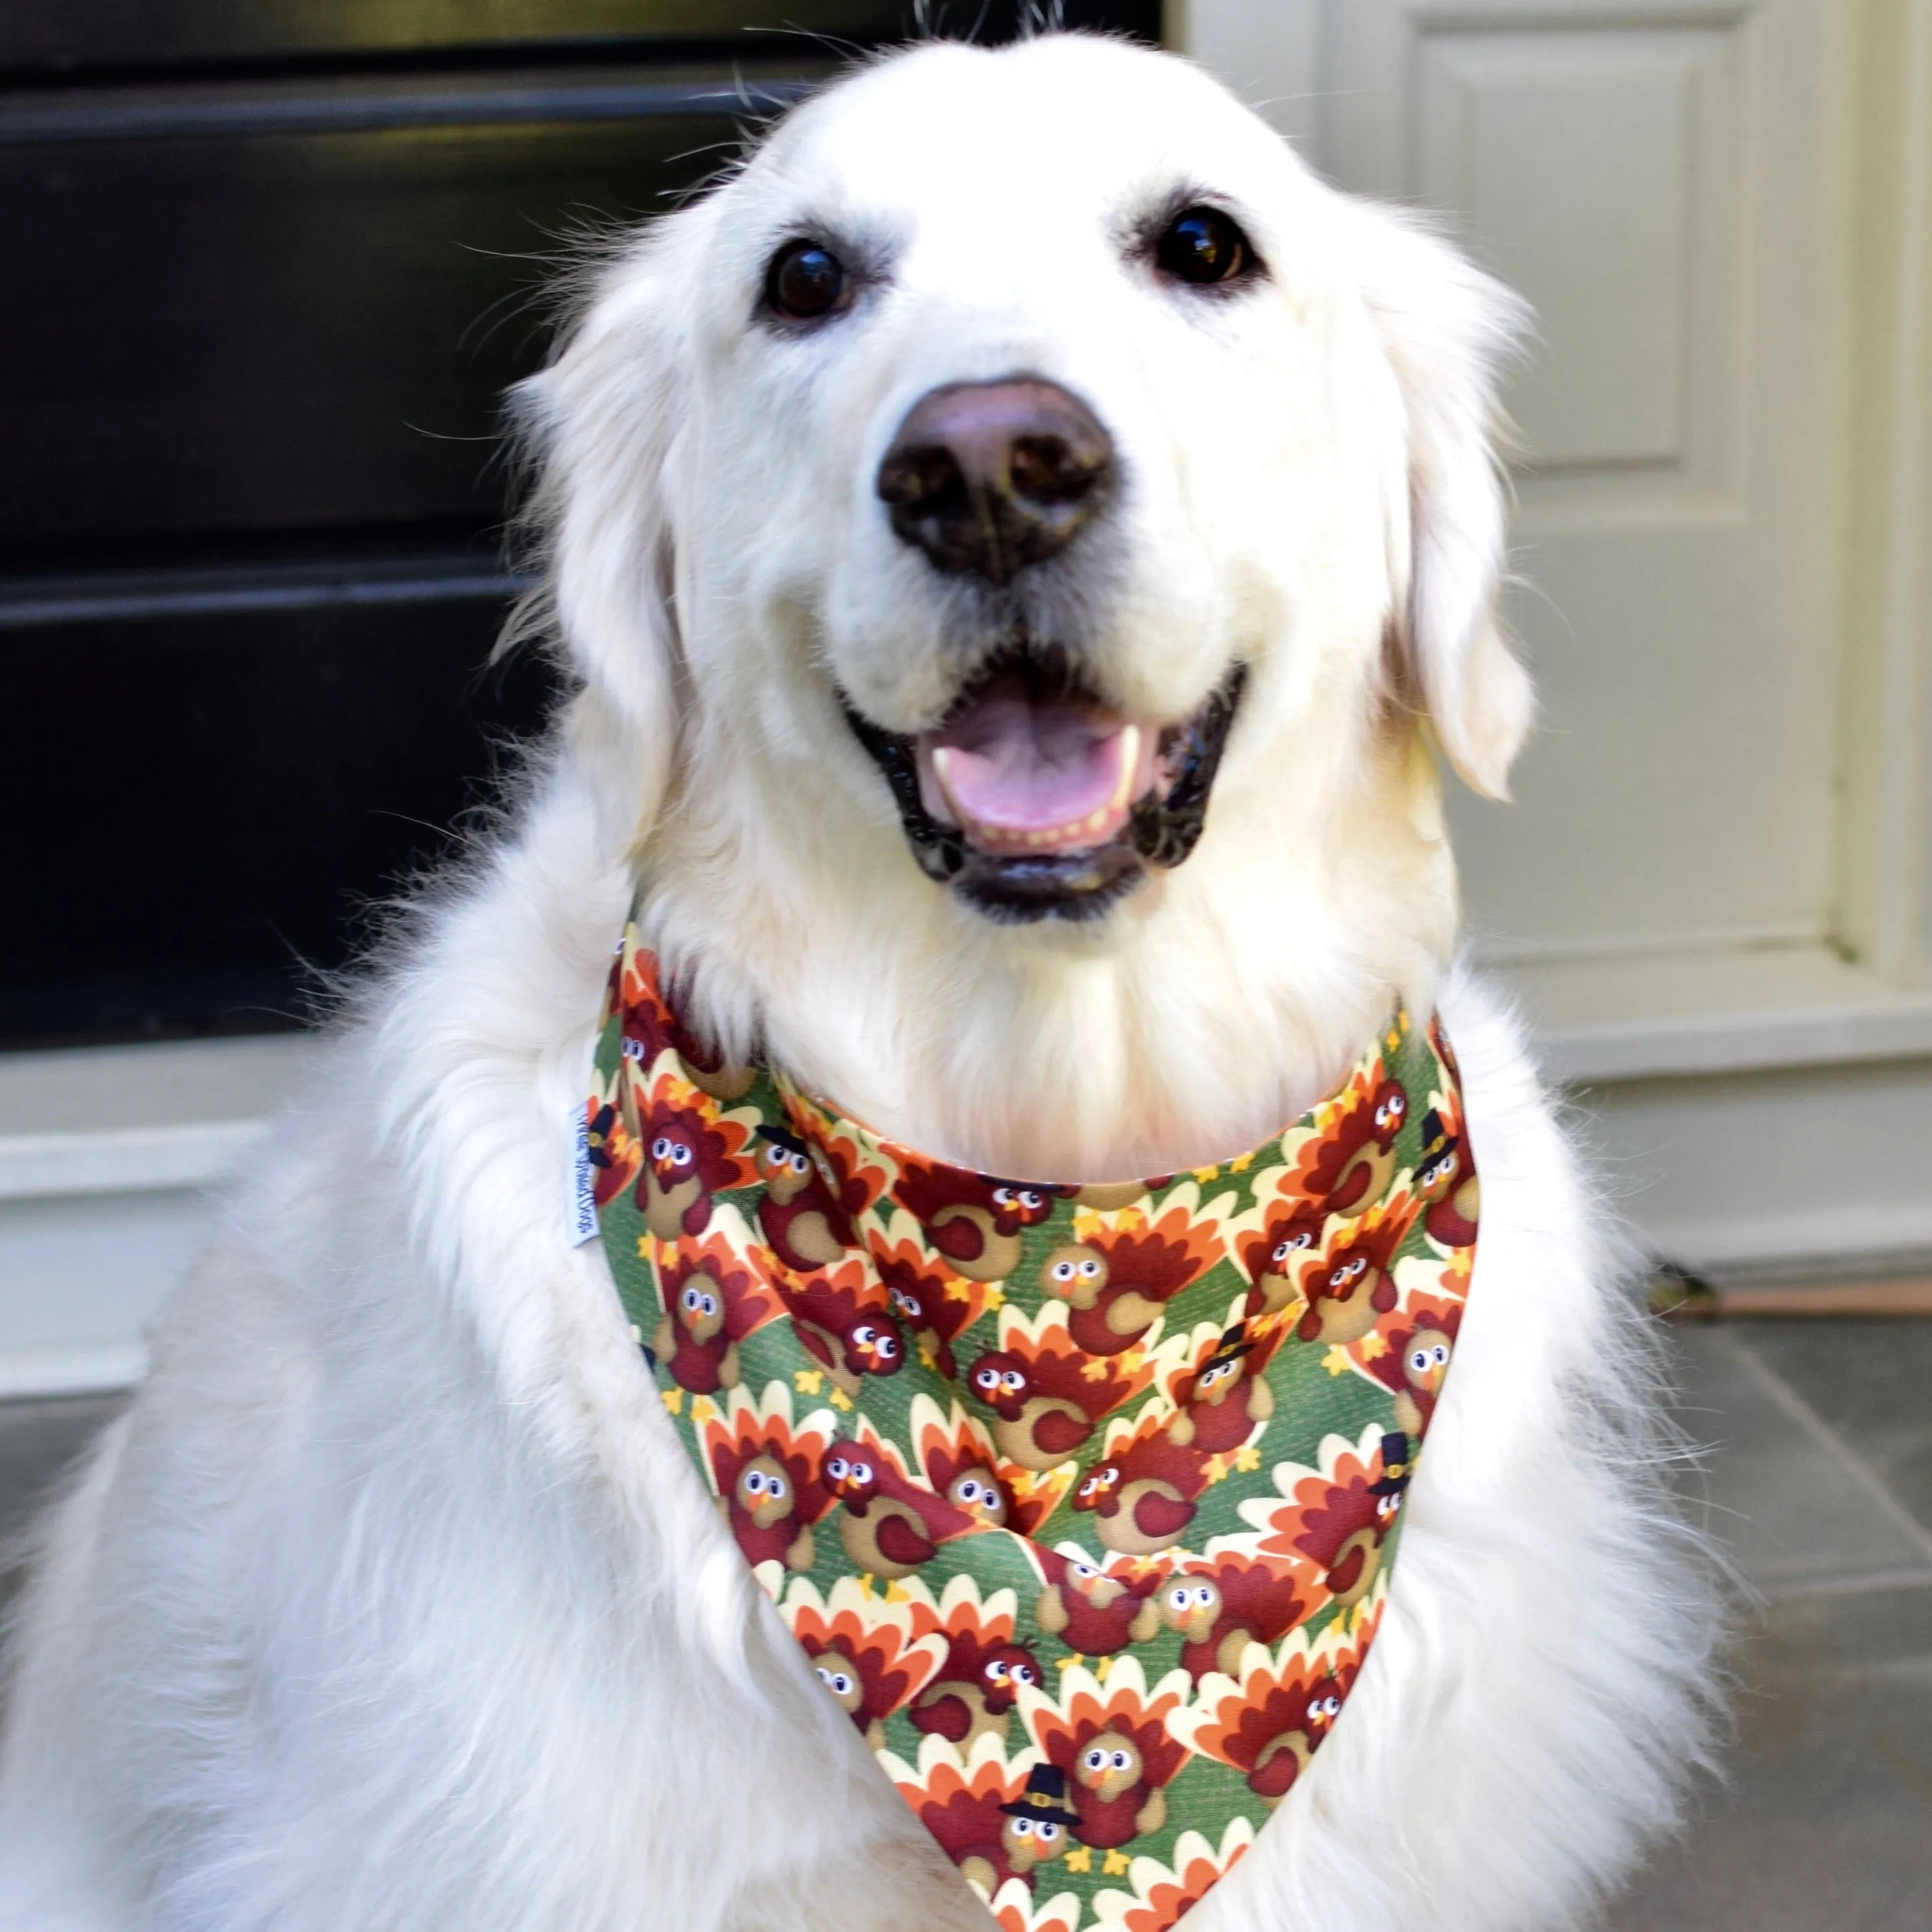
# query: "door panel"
74,34
210,801
271,331
1577,158
70,35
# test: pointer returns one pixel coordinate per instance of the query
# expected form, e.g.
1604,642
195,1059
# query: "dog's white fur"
393,1603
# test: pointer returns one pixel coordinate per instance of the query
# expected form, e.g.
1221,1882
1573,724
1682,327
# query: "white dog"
925,508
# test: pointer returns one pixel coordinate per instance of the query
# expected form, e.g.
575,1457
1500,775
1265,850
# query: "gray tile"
1870,1632
1825,1819
1871,1381
1796,1511
1825,1825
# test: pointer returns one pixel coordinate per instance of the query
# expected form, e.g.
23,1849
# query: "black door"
266,267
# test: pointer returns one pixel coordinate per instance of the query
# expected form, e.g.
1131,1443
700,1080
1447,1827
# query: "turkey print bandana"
1081,1501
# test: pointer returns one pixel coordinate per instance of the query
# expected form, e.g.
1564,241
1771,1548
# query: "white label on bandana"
583,1184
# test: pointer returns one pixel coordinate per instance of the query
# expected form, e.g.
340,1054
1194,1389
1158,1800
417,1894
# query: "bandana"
1082,1500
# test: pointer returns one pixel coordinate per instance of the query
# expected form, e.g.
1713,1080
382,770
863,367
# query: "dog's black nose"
990,477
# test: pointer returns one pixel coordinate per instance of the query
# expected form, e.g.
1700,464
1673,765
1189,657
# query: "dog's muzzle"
1032,800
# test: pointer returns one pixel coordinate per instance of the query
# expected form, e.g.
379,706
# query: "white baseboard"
1827,1235
104,1368
118,1160
106,1154
1726,1010
1744,1169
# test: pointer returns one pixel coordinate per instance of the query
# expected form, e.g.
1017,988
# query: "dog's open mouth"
1034,798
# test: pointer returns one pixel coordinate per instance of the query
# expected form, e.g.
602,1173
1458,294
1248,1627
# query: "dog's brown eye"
1202,245
804,281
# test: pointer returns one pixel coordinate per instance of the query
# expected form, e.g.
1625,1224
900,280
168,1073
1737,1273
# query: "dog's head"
1019,446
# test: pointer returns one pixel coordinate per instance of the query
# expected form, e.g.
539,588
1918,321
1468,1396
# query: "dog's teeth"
942,761
1130,759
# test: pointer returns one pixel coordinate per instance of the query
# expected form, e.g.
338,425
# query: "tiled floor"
1820,1481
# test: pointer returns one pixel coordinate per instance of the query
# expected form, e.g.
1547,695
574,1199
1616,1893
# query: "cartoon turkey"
770,1489
1047,1397
1094,1611
691,1340
953,1451
1117,1282
807,1229
1344,1531
687,1160
1294,1726
1142,1494
839,1317
990,1837
1416,1361
973,1220
1111,1768
710,1305
867,1693
1114,1748
1220,1606
1356,1159
650,1025
1040,1419
1038,1822
1227,1399
889,1526
975,1491
934,1311
615,1156
976,1689
863,1650
1351,1288
971,1487
1269,1723
855,1168
1446,1180
1277,1258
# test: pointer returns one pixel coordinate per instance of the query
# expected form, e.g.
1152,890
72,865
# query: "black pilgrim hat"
1396,1465
1234,1344
1045,1795
1435,1135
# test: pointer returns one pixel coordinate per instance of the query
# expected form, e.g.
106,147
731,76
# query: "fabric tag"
583,1227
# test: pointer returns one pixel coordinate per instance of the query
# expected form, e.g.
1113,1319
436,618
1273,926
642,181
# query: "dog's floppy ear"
602,421
1446,328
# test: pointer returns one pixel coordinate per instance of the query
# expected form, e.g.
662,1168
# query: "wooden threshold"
1697,1300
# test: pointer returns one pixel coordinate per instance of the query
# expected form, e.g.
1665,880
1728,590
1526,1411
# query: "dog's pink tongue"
1021,777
